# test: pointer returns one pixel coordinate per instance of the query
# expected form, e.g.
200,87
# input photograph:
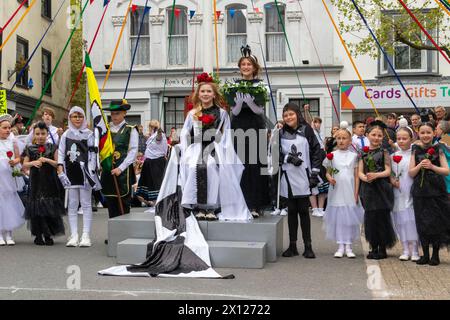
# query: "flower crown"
204,77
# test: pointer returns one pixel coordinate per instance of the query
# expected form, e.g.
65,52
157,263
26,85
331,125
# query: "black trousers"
299,207
113,206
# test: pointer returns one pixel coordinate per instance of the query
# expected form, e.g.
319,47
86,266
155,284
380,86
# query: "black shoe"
49,241
106,241
291,251
94,209
38,241
309,253
372,255
423,260
382,254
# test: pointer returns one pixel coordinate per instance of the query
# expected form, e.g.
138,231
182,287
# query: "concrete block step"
223,254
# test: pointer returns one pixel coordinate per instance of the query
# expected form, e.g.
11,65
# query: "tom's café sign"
388,97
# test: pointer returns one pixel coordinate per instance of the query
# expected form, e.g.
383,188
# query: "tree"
392,24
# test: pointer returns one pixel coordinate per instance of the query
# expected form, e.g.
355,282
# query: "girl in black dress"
377,195
428,167
247,114
44,206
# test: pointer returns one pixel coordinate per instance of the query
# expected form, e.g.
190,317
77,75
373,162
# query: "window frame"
180,110
238,7
180,36
26,75
268,6
142,36
46,9
43,79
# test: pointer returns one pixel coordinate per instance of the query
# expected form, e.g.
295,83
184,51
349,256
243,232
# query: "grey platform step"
267,229
223,254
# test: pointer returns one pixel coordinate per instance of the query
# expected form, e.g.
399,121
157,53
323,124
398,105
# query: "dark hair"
317,119
392,115
294,107
254,63
355,123
40,125
428,124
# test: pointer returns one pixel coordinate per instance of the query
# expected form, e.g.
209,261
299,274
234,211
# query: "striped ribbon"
124,23
321,65
37,46
12,17
446,4
17,25
38,103
422,28
385,56
146,9
80,73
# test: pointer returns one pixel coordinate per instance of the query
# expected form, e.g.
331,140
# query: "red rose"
397,159
366,149
207,119
330,156
431,151
9,154
41,149
190,106
204,77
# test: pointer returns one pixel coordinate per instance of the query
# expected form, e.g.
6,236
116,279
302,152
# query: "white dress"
343,216
403,211
223,172
11,208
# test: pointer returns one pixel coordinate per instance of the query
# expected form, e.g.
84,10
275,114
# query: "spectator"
415,123
389,140
142,139
173,137
316,124
442,129
440,112
359,139
330,142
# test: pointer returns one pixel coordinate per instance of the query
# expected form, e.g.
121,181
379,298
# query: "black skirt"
378,228
152,175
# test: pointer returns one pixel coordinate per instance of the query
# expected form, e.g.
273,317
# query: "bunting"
191,14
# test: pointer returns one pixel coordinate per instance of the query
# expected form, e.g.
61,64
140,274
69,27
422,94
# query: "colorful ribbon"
443,7
80,73
37,46
12,17
385,56
216,36
38,103
17,25
146,10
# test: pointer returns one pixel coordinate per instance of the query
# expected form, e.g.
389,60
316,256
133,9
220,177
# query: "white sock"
8,235
86,205
73,222
405,248
87,220
348,248
414,247
341,248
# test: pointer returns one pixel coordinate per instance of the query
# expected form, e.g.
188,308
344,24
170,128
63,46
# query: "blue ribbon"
385,56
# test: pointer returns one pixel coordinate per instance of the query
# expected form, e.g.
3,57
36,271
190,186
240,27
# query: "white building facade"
240,22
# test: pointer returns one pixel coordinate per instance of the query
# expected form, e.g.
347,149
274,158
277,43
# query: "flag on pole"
105,146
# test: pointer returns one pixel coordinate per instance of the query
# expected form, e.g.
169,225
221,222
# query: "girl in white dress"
403,211
11,208
343,215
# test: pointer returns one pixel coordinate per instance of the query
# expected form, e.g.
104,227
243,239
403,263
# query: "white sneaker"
73,241
415,257
338,254
315,212
320,212
85,240
275,212
350,254
80,211
2,242
284,212
99,205
404,257
10,242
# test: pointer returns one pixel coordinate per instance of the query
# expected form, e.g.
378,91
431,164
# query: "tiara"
247,52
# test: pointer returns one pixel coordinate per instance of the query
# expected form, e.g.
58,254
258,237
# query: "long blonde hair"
218,99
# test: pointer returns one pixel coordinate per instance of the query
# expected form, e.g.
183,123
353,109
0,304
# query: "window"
178,54
406,58
25,4
275,42
143,49
236,31
21,59
173,113
46,70
46,8
314,105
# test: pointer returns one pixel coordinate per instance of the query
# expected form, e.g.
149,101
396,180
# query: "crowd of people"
389,174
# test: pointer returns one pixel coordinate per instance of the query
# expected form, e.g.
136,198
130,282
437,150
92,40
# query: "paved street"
32,272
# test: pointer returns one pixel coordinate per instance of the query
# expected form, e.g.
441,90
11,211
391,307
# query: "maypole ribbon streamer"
265,68
124,23
320,64
17,25
146,10
12,17
422,28
37,46
80,73
443,7
445,3
363,84
192,13
38,103
386,56
289,47
172,15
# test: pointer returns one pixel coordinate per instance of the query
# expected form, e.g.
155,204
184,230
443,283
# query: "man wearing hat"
125,139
